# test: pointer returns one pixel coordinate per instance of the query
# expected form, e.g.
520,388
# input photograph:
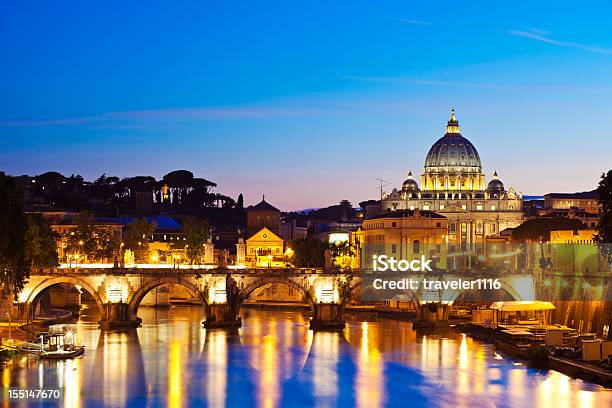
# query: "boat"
59,346
66,353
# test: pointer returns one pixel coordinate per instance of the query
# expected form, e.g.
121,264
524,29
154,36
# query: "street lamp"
81,244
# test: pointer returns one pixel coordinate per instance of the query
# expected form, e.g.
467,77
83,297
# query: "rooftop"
406,214
582,195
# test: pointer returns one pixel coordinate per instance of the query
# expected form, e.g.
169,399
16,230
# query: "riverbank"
576,368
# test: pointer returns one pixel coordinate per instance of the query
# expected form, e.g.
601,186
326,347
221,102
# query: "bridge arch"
355,288
270,280
504,287
142,291
35,294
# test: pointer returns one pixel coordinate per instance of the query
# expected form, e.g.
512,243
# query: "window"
463,206
393,248
479,227
438,224
453,227
426,207
493,207
441,206
479,207
393,225
412,207
416,246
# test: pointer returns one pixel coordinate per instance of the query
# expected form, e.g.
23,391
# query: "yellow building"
265,249
403,234
585,236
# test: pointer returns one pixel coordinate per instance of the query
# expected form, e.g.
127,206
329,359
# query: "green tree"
41,242
14,267
196,234
538,229
309,253
604,228
137,238
90,240
340,252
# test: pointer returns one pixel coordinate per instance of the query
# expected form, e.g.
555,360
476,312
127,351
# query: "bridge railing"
85,270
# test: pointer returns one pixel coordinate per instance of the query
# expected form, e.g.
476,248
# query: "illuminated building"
586,201
403,234
265,249
585,236
453,185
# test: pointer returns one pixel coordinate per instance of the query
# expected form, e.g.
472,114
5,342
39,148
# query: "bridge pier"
432,315
221,315
116,316
327,317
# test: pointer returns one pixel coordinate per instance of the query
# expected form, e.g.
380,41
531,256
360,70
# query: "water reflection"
275,360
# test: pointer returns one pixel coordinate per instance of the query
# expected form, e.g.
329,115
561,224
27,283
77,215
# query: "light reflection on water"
274,360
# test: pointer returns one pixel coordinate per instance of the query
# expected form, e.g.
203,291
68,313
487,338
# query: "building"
453,185
265,249
403,234
584,236
263,215
586,201
291,231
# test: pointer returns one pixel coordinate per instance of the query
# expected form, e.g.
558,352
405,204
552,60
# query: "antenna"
383,183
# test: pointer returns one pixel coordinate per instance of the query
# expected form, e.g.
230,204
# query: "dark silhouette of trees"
604,228
41,242
309,253
538,229
14,265
178,191
197,233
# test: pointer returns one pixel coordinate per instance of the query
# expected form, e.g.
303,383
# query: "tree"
14,267
240,201
604,228
341,252
89,240
196,234
538,229
309,253
41,242
137,238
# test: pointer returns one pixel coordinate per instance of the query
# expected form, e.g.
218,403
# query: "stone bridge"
118,292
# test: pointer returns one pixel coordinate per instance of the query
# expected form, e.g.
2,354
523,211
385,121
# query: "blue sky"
308,102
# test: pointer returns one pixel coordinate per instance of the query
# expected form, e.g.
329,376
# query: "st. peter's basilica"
453,185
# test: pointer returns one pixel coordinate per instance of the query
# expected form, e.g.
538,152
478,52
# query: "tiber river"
274,360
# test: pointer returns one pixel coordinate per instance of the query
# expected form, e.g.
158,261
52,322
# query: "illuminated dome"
410,184
452,150
495,185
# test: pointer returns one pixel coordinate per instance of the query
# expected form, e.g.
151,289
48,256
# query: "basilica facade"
454,185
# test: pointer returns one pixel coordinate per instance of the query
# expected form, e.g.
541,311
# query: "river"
274,360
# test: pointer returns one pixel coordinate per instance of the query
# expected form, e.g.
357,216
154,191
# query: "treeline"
178,191
26,240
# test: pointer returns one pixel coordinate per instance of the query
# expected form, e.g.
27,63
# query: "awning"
522,306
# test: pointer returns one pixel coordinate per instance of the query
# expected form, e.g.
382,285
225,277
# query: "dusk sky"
308,102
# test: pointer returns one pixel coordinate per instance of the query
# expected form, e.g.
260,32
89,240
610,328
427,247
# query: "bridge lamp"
116,294
325,292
